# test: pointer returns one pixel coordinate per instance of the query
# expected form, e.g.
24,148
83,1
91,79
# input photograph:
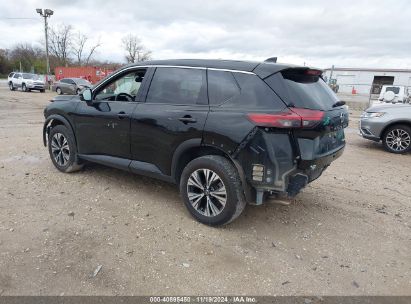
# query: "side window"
178,86
16,76
64,80
255,93
123,88
221,87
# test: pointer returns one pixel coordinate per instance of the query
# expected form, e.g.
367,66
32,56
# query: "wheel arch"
391,124
54,120
192,149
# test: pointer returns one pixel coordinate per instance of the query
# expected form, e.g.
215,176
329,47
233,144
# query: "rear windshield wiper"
339,104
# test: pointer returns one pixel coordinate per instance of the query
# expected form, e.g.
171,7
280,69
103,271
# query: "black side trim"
150,170
134,166
111,161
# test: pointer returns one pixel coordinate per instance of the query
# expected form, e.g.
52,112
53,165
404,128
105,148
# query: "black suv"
228,132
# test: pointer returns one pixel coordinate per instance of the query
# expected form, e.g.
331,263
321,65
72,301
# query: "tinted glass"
254,94
395,90
64,80
297,88
16,75
221,87
11,74
177,86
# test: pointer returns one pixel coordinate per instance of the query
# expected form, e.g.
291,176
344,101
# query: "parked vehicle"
70,86
10,77
333,85
227,132
390,124
394,94
27,82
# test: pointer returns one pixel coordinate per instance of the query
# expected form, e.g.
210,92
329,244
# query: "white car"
394,94
27,82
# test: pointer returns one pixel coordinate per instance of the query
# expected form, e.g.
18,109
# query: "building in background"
364,81
91,73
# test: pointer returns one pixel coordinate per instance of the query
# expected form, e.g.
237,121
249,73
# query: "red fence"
92,74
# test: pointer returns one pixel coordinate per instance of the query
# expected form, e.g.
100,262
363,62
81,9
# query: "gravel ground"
107,232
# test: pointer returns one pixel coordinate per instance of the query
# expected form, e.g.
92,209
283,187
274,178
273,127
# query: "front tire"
397,139
11,86
211,189
63,150
24,88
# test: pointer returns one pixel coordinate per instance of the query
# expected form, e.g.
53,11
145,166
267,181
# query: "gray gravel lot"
348,233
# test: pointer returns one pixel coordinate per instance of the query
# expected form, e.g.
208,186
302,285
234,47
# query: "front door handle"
122,115
187,119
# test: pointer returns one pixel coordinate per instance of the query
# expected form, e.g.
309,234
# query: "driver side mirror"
86,95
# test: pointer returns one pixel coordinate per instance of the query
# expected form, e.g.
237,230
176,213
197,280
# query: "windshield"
82,81
302,90
395,90
30,76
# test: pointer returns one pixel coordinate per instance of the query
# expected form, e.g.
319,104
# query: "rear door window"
302,90
178,86
222,87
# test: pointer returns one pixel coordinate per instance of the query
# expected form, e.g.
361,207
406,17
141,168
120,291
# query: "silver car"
390,123
70,86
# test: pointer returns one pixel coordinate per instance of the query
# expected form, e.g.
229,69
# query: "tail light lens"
293,118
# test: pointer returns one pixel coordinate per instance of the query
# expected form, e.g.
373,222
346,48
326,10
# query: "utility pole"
46,13
331,74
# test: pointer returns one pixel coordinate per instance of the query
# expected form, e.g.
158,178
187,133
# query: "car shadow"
271,215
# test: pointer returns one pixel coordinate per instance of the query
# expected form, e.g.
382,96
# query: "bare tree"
60,42
78,46
79,49
135,50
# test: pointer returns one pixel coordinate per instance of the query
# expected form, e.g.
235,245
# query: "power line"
17,18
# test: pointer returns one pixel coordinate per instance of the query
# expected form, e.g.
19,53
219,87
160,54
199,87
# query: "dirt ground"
348,233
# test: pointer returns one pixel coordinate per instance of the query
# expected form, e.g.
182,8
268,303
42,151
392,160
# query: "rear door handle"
122,115
187,119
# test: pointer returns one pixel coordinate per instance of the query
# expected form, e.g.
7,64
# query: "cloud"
321,33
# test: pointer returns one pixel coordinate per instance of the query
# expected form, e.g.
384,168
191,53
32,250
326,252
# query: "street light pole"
46,13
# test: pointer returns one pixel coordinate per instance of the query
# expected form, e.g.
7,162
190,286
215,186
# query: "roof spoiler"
271,59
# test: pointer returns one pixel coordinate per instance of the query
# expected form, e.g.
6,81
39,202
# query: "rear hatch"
321,134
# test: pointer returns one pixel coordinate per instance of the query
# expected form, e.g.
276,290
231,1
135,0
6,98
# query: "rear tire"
211,189
397,139
63,149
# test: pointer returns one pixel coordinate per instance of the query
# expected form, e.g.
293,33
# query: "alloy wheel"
206,192
398,140
60,149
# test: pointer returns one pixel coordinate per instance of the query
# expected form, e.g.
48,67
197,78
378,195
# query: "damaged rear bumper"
273,165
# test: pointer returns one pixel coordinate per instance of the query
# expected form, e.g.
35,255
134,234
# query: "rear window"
299,89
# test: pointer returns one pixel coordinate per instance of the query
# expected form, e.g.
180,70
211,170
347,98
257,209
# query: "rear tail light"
293,118
313,72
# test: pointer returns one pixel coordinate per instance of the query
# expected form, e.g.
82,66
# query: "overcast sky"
320,33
